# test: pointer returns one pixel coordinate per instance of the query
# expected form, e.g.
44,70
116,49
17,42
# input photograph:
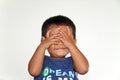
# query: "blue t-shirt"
57,69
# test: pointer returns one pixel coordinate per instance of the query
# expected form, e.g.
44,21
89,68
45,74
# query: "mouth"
61,48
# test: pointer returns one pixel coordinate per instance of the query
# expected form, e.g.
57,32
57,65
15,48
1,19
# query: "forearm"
36,62
80,62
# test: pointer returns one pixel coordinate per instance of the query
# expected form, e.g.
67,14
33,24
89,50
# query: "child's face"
58,50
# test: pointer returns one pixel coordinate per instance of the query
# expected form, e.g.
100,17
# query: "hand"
67,38
49,40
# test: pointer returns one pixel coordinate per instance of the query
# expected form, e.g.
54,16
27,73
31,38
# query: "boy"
59,38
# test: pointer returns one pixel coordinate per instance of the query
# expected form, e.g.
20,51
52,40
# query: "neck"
56,57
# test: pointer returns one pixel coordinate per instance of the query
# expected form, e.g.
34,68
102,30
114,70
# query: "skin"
59,41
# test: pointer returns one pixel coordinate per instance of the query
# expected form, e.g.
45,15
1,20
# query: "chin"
59,55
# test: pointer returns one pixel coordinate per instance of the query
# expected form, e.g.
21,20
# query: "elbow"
33,72
83,70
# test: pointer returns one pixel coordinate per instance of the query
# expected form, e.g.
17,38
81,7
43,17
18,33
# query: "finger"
54,36
55,40
54,43
62,33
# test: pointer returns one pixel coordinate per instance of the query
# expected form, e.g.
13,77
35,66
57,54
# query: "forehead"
56,28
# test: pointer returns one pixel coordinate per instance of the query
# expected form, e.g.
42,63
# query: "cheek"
52,47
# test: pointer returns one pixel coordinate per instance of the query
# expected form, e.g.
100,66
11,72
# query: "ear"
75,41
48,33
43,38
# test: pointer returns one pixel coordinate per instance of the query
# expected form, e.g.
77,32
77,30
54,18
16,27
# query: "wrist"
42,46
72,46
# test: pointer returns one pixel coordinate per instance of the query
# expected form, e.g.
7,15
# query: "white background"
98,29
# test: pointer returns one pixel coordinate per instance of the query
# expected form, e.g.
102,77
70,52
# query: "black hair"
58,20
